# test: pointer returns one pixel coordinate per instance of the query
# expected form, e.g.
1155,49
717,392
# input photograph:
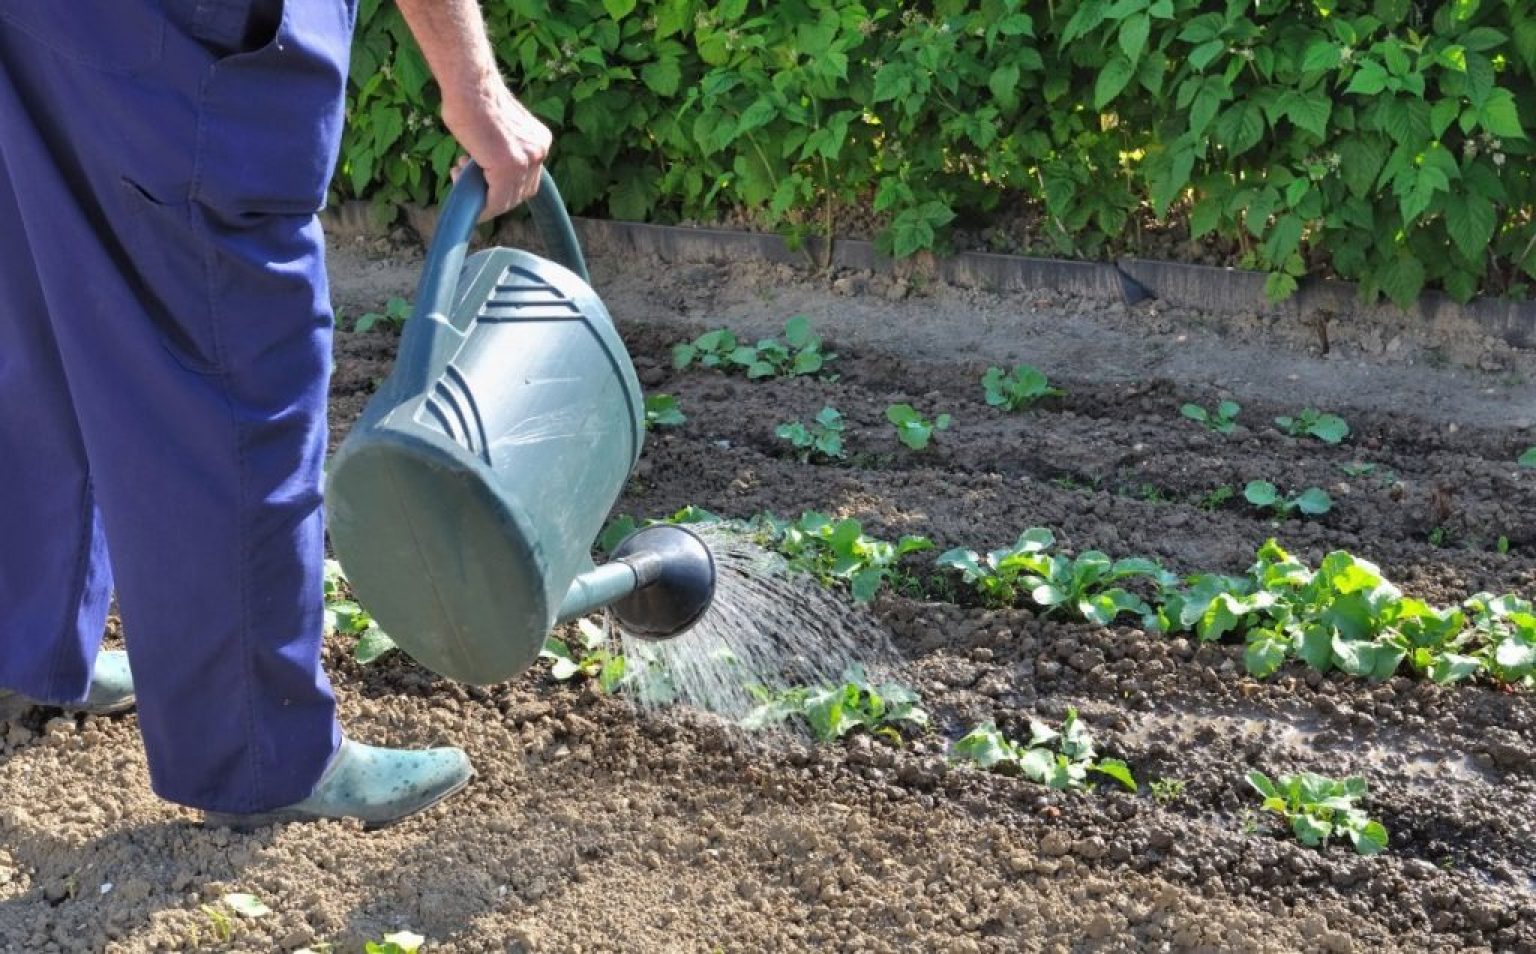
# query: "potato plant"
831,712
800,353
1061,758
1318,808
1018,389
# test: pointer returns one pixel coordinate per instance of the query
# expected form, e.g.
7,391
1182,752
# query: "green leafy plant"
590,657
1312,502
1318,808
1328,428
1222,419
831,712
1017,389
400,942
1505,634
662,410
1061,758
1086,585
823,437
1527,459
395,312
800,353
912,429
343,615
838,551
1166,791
1217,497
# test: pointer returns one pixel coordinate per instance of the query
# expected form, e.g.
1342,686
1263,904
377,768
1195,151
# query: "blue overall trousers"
165,348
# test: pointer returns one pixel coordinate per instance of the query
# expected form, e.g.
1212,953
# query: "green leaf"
1113,78
619,9
1261,493
1370,839
1500,116
1133,35
372,645
1527,459
246,905
1471,220
1314,502
1310,831
1117,770
985,745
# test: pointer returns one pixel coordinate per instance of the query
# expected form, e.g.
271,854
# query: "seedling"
1061,759
1506,628
1528,459
912,429
1319,808
343,615
661,410
401,942
1501,546
800,352
1217,497
395,312
1357,470
590,658
1222,420
1166,791
837,550
823,437
1328,428
832,712
1312,502
1083,585
1019,389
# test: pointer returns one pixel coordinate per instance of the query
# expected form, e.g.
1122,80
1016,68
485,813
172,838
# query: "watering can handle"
424,334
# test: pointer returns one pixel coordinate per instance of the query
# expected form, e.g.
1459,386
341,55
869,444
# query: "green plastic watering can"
464,503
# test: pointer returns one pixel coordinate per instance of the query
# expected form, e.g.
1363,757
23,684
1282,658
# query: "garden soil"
592,827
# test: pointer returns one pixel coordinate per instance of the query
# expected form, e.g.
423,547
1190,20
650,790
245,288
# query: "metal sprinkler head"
676,574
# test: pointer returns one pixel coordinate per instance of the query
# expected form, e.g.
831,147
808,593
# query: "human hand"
505,140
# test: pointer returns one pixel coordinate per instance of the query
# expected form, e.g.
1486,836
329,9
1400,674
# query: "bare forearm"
498,132
451,34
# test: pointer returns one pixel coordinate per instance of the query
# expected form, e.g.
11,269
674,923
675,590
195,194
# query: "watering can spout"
659,584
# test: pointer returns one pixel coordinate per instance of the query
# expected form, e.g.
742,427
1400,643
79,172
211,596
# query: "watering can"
465,501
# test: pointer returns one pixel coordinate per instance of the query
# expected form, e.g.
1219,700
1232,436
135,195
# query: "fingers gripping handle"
429,331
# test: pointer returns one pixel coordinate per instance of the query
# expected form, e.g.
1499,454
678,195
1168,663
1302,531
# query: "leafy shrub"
1380,140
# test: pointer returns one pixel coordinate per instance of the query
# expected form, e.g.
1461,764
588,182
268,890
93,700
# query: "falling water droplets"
767,628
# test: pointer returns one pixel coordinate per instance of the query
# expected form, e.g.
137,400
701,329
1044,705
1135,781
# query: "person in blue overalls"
165,351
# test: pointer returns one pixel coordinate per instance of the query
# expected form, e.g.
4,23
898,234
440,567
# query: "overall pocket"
167,252
269,122
119,37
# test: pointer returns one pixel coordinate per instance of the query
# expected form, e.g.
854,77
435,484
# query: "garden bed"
594,828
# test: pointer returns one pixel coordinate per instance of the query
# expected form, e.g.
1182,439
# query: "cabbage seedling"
800,352
838,550
344,615
1061,759
912,429
1328,428
1319,808
592,658
1312,502
823,437
661,410
832,712
1222,420
1017,390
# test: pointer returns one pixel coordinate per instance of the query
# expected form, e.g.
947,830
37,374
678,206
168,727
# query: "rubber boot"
111,690
376,785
